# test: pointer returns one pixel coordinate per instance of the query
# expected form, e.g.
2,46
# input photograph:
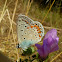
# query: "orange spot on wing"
27,27
39,35
39,32
38,28
31,26
35,25
27,22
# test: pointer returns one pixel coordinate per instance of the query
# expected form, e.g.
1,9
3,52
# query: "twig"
56,57
3,11
12,28
28,6
48,10
52,28
9,17
9,3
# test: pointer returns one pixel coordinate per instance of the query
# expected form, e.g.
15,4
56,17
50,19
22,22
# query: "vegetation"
36,10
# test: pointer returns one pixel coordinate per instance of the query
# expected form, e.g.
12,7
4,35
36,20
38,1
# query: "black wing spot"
25,26
36,24
21,30
19,20
19,25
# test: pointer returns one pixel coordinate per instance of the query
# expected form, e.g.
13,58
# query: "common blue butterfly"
29,32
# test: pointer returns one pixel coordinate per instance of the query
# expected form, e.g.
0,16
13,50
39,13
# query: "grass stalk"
3,11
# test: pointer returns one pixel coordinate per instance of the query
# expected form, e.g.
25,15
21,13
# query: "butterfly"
29,32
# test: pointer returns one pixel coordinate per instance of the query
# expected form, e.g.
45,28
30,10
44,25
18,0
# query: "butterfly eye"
17,45
24,38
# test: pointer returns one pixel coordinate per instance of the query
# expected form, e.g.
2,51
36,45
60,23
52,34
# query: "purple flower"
50,44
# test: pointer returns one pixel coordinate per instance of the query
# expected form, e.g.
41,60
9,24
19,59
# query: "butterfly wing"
29,32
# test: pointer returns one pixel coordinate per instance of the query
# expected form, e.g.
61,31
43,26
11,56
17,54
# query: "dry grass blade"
48,11
12,28
52,28
56,57
3,11
13,18
5,23
9,42
3,15
28,6
9,17
9,3
11,23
